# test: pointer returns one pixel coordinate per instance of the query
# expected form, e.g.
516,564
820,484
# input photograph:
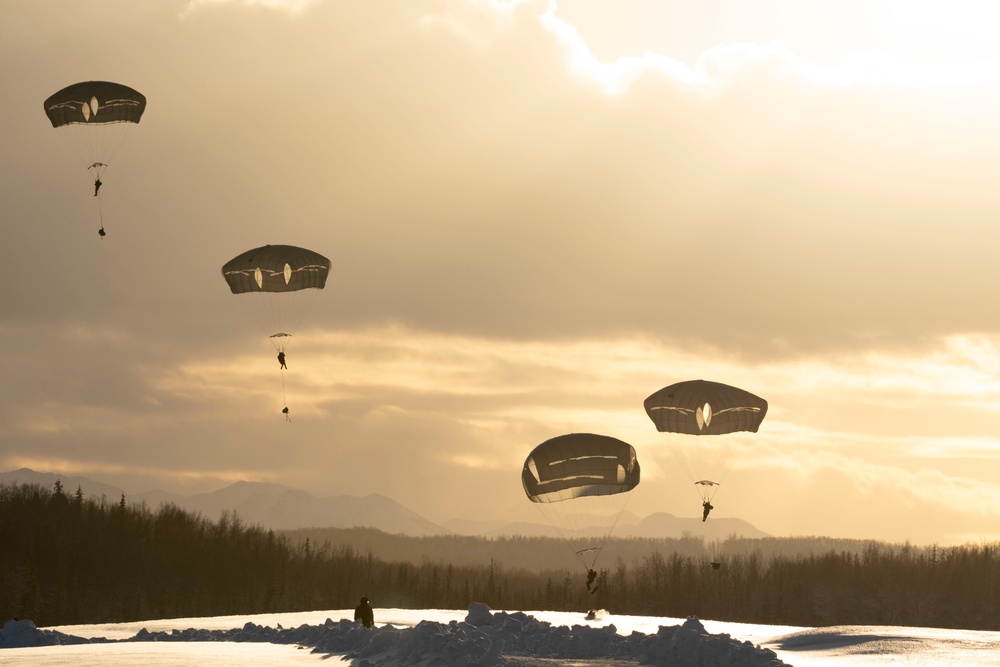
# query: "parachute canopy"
579,464
278,283
276,268
702,407
95,103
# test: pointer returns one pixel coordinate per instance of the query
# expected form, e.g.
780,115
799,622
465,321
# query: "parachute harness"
588,556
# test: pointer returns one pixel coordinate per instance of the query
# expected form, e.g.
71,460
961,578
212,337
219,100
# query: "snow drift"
484,638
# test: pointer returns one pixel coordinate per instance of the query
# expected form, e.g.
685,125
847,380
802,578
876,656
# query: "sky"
538,213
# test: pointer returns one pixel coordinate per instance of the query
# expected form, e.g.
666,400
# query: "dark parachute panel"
702,407
581,482
579,464
95,103
276,268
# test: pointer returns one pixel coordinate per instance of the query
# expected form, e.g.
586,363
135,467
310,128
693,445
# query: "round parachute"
95,118
581,483
278,283
702,407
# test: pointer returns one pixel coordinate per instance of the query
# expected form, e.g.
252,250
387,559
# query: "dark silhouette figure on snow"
363,612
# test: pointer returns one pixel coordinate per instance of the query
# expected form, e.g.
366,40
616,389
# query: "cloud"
470,408
725,65
527,240
292,7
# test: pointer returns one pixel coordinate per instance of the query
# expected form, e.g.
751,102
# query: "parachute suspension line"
713,541
615,522
589,521
279,315
120,132
596,551
703,460
95,146
607,533
588,556
100,215
284,398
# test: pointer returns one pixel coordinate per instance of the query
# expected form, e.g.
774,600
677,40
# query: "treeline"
66,559
540,554
957,587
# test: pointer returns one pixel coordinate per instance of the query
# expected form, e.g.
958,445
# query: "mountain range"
280,507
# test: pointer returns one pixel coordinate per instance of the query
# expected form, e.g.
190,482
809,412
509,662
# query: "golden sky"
538,214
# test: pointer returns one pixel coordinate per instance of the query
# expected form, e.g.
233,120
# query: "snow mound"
21,634
484,639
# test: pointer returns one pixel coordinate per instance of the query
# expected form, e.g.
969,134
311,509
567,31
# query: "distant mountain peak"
270,505
281,507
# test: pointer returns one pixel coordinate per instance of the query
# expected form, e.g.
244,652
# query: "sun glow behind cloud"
589,383
887,42
880,42
959,369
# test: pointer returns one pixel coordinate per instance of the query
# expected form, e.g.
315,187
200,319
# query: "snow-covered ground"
479,636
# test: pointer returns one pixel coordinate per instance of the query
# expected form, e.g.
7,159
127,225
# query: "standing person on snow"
363,612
